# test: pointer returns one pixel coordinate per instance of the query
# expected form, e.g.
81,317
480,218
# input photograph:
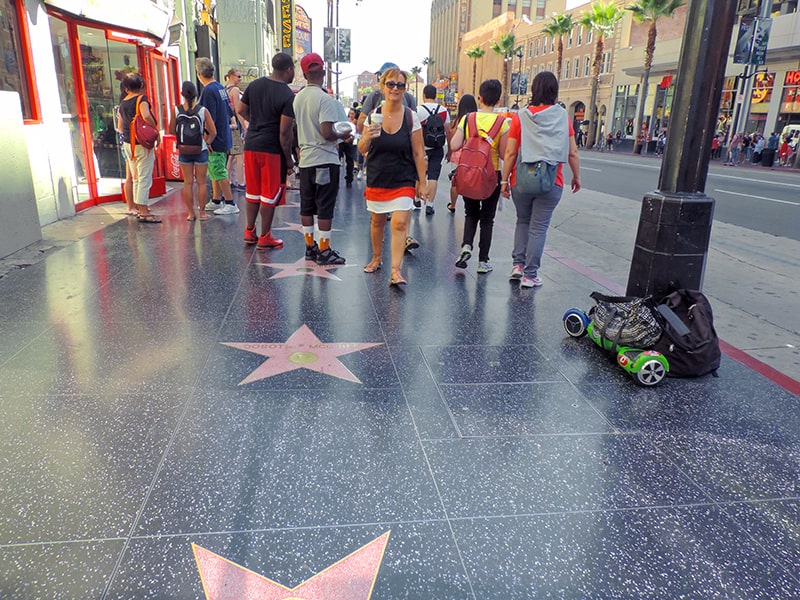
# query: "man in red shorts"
267,105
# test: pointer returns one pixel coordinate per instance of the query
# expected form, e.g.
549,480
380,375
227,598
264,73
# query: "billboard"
287,26
302,32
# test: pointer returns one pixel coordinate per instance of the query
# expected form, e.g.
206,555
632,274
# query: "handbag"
625,320
141,131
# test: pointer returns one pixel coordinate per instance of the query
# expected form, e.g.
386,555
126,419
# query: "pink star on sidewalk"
352,578
303,350
303,267
298,227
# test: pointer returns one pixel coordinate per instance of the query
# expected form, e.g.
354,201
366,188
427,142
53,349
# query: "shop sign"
139,15
792,78
287,26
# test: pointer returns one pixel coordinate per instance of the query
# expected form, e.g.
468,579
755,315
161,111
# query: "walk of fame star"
303,267
303,350
352,578
298,227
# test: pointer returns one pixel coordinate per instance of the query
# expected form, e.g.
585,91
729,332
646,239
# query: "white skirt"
387,206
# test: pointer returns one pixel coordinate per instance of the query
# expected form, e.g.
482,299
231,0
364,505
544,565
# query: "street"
767,201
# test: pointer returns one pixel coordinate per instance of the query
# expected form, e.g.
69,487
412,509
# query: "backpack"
532,178
476,175
433,131
689,340
189,130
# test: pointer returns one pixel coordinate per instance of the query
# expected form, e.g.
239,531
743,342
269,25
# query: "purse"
142,132
625,320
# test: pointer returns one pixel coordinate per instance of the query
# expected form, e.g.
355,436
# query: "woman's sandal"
191,218
374,265
451,207
132,213
204,216
149,219
397,279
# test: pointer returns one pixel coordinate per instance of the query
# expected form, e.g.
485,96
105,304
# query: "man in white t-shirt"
315,113
435,139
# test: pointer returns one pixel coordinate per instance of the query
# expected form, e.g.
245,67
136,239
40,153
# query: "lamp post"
519,75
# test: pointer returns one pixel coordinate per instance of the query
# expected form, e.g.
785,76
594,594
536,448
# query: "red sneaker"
266,242
250,236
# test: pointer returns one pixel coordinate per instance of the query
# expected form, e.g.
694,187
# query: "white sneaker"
212,206
516,272
358,176
227,209
485,267
529,282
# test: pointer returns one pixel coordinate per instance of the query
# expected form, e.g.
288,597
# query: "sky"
382,31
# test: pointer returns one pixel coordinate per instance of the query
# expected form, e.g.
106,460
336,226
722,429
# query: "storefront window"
625,109
790,100
13,76
760,100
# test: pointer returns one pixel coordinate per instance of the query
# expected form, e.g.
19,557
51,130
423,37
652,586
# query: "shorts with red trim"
266,177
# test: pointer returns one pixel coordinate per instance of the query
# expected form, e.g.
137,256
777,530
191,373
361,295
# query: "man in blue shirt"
215,100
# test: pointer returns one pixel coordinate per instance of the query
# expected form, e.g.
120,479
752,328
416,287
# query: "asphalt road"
763,200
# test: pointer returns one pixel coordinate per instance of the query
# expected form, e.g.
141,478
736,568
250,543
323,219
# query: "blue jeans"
533,219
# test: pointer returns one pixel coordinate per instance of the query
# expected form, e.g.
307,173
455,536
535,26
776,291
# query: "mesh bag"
625,320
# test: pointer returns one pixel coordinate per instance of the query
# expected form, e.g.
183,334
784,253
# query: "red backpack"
475,173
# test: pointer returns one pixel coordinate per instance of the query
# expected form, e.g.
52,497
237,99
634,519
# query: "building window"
587,65
552,44
566,71
526,8
512,6
536,47
497,8
606,68
16,72
580,35
589,36
569,40
550,67
577,68
540,9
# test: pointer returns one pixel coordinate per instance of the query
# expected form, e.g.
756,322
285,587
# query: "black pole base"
671,243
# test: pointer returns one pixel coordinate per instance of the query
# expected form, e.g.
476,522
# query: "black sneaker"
312,252
466,254
429,210
329,257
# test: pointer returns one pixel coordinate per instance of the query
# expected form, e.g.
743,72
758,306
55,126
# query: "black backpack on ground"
189,130
689,340
433,131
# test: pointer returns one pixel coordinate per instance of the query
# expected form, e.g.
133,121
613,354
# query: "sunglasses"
395,84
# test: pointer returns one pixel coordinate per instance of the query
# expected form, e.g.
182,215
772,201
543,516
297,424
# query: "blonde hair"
231,72
392,74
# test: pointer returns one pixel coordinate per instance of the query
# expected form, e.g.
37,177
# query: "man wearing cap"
374,99
267,105
316,112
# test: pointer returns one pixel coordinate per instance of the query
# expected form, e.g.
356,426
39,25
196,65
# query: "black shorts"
318,189
435,157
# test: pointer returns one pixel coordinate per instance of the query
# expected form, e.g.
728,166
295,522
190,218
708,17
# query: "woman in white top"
194,166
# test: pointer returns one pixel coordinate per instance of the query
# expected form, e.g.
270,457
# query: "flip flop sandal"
149,219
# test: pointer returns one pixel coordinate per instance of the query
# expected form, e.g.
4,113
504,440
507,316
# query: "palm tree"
428,62
601,17
649,11
557,28
507,48
475,53
415,71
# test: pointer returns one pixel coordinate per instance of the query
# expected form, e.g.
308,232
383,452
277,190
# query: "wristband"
503,183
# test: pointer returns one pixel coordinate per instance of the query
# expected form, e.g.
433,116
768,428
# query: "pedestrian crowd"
254,140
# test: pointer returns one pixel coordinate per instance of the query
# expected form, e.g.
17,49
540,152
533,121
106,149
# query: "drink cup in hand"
377,122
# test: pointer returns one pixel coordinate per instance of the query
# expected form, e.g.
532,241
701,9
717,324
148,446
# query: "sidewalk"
184,415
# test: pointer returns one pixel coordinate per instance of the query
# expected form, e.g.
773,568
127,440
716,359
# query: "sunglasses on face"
395,84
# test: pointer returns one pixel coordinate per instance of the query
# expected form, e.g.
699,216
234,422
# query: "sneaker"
417,204
250,236
485,266
429,210
358,176
516,272
411,243
466,254
266,242
213,205
227,209
312,252
329,257
529,282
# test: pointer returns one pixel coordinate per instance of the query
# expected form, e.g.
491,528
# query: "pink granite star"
352,578
303,267
303,350
298,227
